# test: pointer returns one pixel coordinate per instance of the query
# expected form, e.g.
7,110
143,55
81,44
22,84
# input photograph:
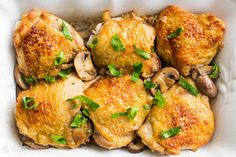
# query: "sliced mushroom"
136,146
204,84
165,78
19,79
89,83
200,69
84,66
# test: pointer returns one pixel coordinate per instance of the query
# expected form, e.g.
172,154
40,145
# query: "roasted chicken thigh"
45,44
45,118
121,110
123,41
184,112
185,40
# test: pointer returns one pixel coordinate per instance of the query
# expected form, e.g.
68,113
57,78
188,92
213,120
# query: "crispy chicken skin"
132,32
115,95
38,39
192,113
199,42
53,115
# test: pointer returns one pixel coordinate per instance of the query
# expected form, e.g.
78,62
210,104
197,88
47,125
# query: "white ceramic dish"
224,140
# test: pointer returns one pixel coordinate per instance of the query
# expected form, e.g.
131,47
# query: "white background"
224,106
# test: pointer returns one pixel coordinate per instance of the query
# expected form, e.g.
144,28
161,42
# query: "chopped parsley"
29,103
159,100
186,85
149,84
58,139
137,68
78,121
116,43
175,34
215,71
93,44
130,113
60,58
65,31
113,71
93,105
169,133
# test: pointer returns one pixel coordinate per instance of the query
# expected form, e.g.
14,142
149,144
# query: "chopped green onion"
78,121
58,139
113,70
60,58
143,53
146,107
65,31
117,44
175,34
191,89
93,105
30,80
29,101
159,100
169,133
93,44
50,79
215,71
85,112
130,112
149,84
120,114
137,68
64,73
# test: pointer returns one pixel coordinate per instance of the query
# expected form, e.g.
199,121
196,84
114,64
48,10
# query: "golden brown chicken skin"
116,95
53,115
134,34
39,39
197,44
182,109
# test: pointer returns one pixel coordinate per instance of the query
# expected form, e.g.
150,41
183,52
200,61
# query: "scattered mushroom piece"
203,81
136,146
202,69
66,66
165,78
84,66
19,80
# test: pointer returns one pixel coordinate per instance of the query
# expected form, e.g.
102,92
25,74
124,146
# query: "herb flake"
175,34
137,68
169,133
116,43
93,105
113,70
65,31
186,85
58,139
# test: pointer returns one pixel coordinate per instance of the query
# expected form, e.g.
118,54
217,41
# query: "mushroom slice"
19,79
136,146
200,69
84,66
165,78
203,81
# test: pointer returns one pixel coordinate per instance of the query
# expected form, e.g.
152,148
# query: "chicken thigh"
45,118
185,39
123,41
189,117
121,110
45,44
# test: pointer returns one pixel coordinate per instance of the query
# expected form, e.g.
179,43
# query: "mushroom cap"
84,66
165,78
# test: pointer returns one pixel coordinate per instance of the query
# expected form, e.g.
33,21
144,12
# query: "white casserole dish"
224,140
